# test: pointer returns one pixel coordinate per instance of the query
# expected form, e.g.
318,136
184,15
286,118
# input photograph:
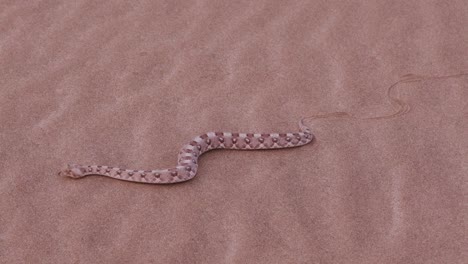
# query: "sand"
127,83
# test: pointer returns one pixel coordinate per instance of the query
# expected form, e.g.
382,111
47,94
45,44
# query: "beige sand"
127,83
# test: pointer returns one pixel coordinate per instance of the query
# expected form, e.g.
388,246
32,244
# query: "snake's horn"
72,171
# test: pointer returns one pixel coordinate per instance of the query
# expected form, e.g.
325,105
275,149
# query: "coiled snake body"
187,161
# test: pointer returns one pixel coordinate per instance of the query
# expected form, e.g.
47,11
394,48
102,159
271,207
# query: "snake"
187,159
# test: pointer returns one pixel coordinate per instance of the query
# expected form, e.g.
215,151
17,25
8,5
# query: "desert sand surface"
127,83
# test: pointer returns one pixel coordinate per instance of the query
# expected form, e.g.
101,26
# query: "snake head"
73,171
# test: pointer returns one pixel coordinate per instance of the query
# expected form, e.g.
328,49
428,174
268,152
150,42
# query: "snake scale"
187,160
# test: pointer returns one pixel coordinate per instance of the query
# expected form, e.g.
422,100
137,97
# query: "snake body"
187,160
